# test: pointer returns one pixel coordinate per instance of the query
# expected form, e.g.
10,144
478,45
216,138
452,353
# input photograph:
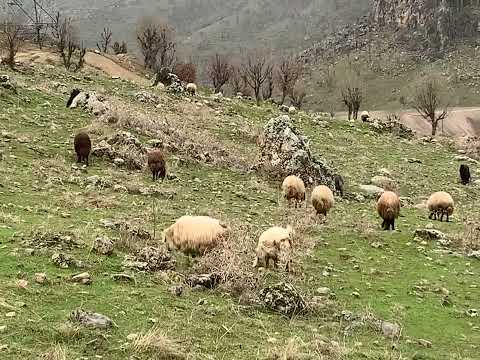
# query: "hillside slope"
47,201
209,26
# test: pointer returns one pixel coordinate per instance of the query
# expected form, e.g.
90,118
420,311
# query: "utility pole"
38,17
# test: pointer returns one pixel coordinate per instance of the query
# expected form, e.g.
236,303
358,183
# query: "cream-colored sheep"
364,116
440,204
194,234
191,88
388,207
270,245
293,190
322,199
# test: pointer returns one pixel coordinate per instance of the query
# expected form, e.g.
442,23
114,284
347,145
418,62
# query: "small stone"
82,278
131,337
176,290
29,251
323,291
119,162
11,314
103,246
22,284
3,328
356,294
424,343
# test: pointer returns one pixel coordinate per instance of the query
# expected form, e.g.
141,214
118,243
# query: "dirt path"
462,121
92,59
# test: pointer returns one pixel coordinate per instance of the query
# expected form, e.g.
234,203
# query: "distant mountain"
208,26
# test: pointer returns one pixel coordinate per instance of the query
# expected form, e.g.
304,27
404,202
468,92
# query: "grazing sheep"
269,246
156,163
465,174
191,88
339,185
82,145
364,116
440,204
293,189
322,199
194,234
388,207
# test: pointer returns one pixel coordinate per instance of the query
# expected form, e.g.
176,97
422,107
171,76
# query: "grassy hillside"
385,275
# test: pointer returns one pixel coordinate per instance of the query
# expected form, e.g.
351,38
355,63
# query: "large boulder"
91,102
286,152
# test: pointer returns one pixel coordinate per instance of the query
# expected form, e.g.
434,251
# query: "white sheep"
293,189
194,234
388,207
270,245
440,204
364,115
191,89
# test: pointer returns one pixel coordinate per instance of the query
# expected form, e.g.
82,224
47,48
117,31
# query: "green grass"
36,196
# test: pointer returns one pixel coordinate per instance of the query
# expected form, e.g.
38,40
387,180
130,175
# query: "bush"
186,72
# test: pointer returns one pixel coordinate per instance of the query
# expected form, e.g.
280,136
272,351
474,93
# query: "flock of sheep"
197,234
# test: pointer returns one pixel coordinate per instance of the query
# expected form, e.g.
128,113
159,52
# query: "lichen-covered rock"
146,97
103,246
175,86
150,259
287,152
91,102
7,83
384,182
122,145
392,126
208,281
283,298
90,318
432,235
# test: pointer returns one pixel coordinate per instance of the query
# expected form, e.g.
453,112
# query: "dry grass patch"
57,352
469,241
156,343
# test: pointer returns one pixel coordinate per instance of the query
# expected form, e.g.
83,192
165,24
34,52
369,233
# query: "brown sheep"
440,204
83,146
388,207
156,163
192,89
322,199
293,189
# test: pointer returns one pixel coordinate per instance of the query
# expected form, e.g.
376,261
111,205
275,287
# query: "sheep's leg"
383,225
448,217
441,217
86,160
79,159
393,224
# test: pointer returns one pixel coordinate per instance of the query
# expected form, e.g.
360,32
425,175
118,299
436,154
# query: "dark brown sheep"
82,145
156,163
465,174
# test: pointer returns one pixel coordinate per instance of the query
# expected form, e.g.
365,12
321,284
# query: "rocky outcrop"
286,152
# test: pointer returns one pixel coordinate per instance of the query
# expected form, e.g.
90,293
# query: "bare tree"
256,69
67,43
428,99
186,72
157,43
298,94
288,72
219,71
10,39
119,49
105,40
352,90
269,85
236,81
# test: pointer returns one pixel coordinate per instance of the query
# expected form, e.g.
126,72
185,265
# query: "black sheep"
82,145
465,174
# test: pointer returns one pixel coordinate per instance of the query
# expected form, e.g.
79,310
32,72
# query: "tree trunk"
284,95
434,127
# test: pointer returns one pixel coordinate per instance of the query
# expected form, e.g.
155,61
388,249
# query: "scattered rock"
432,235
91,319
118,162
283,298
64,261
103,246
150,259
123,277
285,152
82,278
323,291
22,284
176,290
208,281
371,190
41,278
7,83
122,145
473,313
292,110
52,240
391,330
424,343
147,97
392,126
11,314
3,329
131,337
384,182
